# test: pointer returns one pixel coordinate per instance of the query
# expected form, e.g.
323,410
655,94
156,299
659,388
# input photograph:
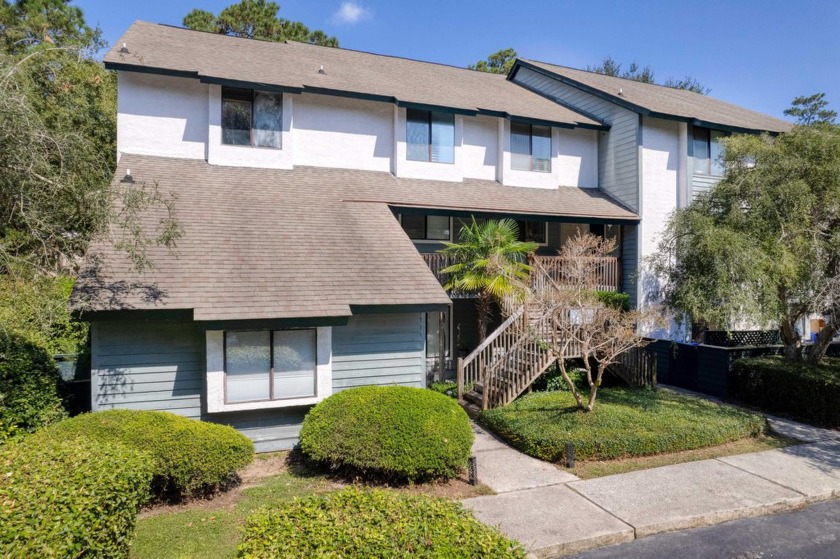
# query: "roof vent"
127,179
124,49
321,70
621,91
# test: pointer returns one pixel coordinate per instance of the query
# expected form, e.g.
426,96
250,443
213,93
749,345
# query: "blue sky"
756,53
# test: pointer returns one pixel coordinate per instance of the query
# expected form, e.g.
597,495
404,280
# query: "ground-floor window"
269,365
437,323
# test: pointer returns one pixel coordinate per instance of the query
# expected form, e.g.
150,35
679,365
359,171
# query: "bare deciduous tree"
579,321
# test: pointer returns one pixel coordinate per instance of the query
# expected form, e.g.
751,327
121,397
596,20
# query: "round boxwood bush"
191,458
392,431
75,498
356,523
29,380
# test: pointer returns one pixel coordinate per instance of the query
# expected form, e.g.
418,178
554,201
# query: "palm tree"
489,260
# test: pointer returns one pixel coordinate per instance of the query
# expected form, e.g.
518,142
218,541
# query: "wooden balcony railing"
608,269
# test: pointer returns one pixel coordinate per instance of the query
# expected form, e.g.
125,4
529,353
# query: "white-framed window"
251,118
426,227
708,152
256,369
530,147
430,136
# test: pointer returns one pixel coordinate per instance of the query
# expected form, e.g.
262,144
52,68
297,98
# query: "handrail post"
460,374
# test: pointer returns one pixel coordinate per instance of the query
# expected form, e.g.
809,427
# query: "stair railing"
471,368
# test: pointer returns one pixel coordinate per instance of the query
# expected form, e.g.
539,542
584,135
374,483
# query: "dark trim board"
136,315
398,309
554,218
273,323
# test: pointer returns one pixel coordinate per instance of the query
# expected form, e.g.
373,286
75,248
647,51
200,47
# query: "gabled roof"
295,67
305,243
661,101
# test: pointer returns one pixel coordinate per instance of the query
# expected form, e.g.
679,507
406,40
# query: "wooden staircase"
506,363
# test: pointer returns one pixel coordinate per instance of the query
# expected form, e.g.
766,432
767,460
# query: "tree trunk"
560,364
791,340
817,351
483,308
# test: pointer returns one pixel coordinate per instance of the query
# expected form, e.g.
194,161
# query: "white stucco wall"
577,157
161,115
663,165
479,149
346,133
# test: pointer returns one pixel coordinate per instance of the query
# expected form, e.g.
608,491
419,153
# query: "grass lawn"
626,423
212,528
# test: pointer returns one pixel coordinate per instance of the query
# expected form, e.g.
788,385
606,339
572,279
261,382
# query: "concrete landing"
687,495
550,521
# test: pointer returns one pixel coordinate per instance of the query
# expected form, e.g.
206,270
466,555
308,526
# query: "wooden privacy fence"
636,367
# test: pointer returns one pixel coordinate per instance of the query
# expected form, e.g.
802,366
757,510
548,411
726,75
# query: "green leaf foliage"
256,19
802,391
75,498
29,397
447,387
629,422
393,432
644,74
764,243
357,523
614,299
500,62
191,458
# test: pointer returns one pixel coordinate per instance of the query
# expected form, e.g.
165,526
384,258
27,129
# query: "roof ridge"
301,43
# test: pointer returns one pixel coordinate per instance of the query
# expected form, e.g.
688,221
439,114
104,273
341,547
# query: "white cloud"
350,13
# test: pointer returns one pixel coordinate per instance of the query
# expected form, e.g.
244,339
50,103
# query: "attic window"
251,118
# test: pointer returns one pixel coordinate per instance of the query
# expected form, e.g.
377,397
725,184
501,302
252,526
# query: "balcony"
608,268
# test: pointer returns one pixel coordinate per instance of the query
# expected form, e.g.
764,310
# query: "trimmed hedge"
389,431
356,523
802,391
73,498
29,380
625,422
614,299
191,458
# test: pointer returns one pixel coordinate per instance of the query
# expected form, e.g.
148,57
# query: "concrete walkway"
553,513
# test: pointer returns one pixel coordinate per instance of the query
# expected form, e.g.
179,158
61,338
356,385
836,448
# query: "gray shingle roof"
296,65
661,100
308,242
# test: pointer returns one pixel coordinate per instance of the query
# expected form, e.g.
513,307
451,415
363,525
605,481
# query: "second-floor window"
530,147
251,118
430,136
707,152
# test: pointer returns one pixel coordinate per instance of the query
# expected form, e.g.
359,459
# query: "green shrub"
445,387
552,380
614,299
355,523
806,392
191,457
391,431
28,388
72,498
625,422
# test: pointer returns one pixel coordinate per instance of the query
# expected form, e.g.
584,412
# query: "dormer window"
530,147
251,118
708,152
430,136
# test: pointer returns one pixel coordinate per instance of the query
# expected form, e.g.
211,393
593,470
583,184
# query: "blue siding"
630,262
379,349
148,366
618,149
161,366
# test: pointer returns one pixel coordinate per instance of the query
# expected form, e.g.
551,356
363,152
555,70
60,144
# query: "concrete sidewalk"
553,513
